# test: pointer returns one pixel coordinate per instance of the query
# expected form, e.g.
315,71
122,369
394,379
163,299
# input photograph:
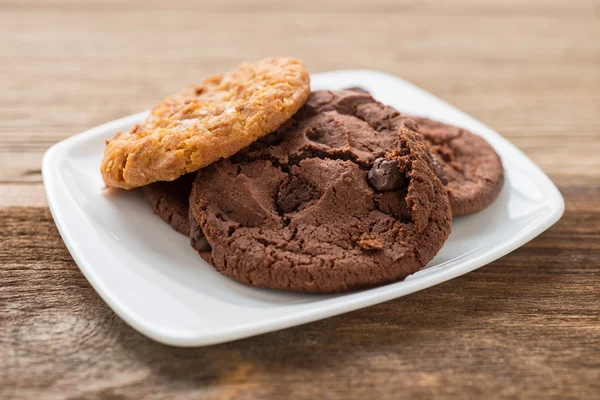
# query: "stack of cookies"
280,187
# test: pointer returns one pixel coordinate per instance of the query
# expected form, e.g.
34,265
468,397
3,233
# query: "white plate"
149,275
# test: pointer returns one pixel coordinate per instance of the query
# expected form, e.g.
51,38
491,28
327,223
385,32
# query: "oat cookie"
206,122
343,196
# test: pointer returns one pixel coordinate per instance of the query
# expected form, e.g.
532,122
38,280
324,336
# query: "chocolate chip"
197,238
439,172
357,89
385,175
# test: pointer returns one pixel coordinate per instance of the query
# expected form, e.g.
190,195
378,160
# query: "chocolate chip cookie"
468,166
343,196
170,201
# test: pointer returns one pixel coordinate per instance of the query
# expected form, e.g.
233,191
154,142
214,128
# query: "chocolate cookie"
343,196
170,201
468,166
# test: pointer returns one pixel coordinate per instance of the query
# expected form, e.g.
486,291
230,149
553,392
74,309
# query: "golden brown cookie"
206,122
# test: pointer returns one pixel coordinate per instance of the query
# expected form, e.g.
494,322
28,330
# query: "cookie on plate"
468,166
206,122
343,196
170,201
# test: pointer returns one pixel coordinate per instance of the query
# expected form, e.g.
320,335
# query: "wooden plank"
22,195
526,325
537,81
584,8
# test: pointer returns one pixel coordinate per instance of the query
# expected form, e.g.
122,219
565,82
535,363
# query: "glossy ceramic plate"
149,275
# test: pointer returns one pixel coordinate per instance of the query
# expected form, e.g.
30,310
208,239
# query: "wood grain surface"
525,326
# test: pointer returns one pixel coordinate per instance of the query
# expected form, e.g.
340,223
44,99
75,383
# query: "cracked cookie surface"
470,168
206,122
343,196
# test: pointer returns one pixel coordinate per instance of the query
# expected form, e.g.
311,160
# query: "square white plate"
149,275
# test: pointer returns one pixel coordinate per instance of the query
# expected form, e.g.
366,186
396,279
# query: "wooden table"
527,325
